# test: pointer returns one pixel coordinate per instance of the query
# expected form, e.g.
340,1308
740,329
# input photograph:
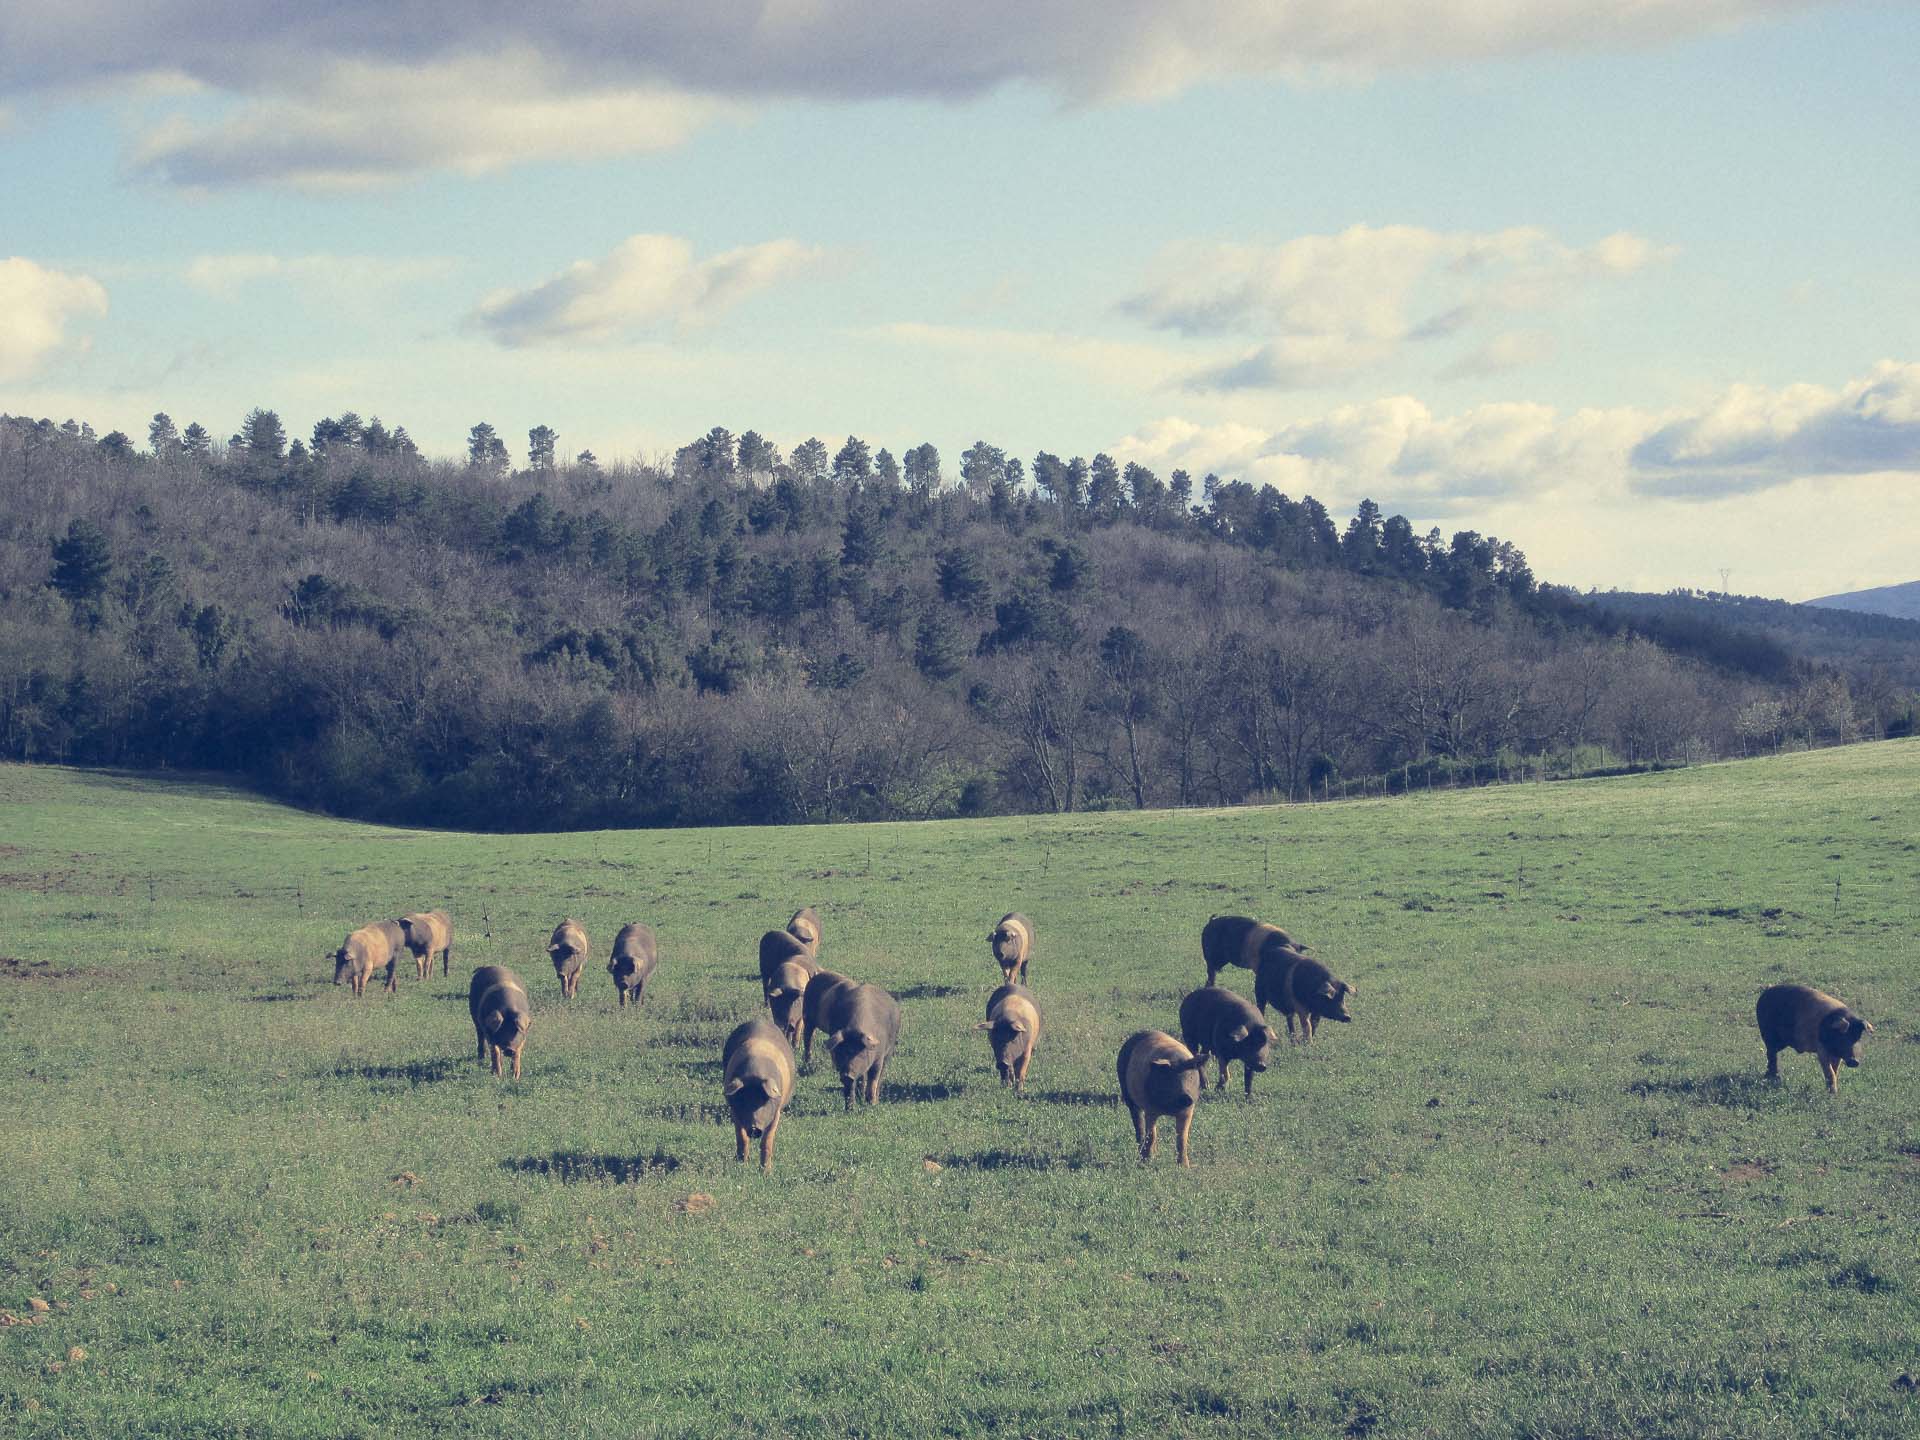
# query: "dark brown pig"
1159,1076
363,951
1300,985
1012,942
1238,940
1013,1023
805,927
813,1008
1224,1027
786,991
1798,1017
501,1012
568,950
863,1025
757,1066
777,947
429,933
635,952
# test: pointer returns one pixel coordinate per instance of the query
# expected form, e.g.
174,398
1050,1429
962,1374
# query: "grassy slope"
1536,1188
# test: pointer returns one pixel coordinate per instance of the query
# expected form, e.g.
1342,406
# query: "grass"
1536,1189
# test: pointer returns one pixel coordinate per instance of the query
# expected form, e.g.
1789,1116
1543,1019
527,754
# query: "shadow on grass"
929,992
273,999
1075,1097
1012,1160
1745,1088
414,1072
907,1093
570,1167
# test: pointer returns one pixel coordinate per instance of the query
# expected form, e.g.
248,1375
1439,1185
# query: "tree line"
733,634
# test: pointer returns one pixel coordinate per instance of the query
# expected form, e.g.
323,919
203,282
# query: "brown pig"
1013,1020
429,933
1159,1076
813,1008
501,1012
1224,1027
396,937
757,1064
1300,985
635,952
568,951
1238,940
1798,1017
805,927
363,951
863,1025
786,992
1012,942
777,947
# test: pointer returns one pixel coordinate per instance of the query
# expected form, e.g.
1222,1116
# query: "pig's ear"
1869,1025
1163,1063
772,1087
735,1086
1019,1027
1239,1032
1273,1035
1349,989
984,1025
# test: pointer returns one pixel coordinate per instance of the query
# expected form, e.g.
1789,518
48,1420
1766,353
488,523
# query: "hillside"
1901,601
1541,1149
737,635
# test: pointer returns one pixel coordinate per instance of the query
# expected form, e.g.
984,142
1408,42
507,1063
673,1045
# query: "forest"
731,634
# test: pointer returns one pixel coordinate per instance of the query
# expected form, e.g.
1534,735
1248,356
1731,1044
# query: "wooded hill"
736,635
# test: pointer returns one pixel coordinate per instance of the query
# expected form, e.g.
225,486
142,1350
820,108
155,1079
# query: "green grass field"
1538,1188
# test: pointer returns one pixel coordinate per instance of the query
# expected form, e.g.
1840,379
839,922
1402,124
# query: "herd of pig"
1159,1075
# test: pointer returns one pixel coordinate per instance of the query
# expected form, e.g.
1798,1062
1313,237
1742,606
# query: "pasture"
1538,1188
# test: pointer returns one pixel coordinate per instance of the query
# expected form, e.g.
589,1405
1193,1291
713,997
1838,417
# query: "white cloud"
37,309
355,123
1753,438
1333,306
1115,362
619,77
648,282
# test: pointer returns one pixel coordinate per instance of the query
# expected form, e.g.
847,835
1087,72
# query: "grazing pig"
360,954
1300,985
758,1080
863,1025
568,951
786,997
777,947
1012,942
501,1014
429,933
1013,1020
1220,1025
813,1008
1159,1076
396,937
635,953
1239,940
805,927
1798,1017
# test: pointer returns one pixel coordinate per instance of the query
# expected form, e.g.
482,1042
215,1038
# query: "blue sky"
1634,283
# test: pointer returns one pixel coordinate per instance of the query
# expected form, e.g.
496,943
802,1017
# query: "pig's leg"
739,1141
1139,1129
496,1060
1832,1067
1149,1134
516,1064
1224,1062
766,1146
1773,1062
1184,1124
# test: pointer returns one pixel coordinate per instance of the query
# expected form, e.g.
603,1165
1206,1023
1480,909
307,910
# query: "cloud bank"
1333,306
340,91
648,283
38,307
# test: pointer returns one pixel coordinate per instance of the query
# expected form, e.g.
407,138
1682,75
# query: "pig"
1798,1017
568,950
757,1063
777,947
786,992
813,1008
1013,1020
635,952
1300,985
1220,1025
396,937
863,1025
429,933
363,951
1159,1076
1238,940
1012,942
501,1014
805,927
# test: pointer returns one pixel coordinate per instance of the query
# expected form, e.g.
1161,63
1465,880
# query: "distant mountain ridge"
1902,601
